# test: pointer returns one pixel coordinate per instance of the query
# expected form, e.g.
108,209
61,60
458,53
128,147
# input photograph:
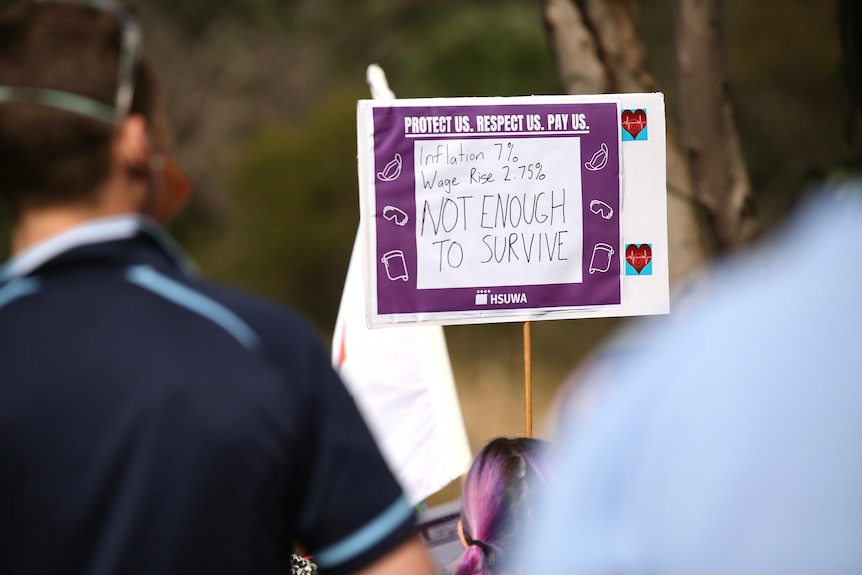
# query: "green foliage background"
296,211
292,183
277,209
292,180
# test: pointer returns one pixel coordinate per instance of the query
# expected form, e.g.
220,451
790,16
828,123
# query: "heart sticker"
639,256
634,122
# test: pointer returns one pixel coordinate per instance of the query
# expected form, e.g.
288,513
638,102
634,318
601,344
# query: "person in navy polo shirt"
151,422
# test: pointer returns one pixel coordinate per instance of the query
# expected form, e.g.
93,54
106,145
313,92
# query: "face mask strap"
60,100
130,42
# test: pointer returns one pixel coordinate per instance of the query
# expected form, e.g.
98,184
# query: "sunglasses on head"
174,186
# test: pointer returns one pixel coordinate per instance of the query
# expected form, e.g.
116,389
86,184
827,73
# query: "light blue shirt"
731,440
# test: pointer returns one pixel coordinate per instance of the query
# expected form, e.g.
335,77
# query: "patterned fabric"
301,566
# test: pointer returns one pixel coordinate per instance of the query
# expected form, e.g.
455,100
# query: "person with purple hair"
496,500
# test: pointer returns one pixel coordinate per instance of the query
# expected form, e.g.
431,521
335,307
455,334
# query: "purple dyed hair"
496,500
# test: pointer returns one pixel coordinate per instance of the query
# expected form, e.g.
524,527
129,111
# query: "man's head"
51,53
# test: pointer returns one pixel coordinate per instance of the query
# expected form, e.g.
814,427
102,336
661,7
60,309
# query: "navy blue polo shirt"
151,422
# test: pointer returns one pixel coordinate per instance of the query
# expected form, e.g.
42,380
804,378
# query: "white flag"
402,381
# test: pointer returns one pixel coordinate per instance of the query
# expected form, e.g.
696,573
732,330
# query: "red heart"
634,121
638,256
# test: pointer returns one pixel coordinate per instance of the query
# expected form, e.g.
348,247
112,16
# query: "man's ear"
132,145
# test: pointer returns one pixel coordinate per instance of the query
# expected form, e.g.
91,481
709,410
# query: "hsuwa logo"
485,297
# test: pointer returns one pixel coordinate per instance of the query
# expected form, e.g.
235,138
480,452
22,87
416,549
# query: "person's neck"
34,224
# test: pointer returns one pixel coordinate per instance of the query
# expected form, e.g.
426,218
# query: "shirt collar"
93,232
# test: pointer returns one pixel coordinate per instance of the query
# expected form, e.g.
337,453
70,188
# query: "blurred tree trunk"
598,49
712,142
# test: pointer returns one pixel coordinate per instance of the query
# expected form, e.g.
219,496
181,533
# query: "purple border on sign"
597,289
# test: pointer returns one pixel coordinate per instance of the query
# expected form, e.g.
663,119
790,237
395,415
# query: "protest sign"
510,209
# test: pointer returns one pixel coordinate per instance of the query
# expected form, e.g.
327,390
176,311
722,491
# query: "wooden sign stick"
528,383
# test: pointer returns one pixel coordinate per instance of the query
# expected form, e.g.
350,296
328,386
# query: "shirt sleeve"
352,510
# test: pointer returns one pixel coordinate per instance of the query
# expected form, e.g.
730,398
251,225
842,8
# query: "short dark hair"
50,156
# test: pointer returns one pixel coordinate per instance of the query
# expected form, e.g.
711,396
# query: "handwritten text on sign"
497,211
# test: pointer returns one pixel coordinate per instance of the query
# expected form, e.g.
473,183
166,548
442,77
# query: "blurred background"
262,95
